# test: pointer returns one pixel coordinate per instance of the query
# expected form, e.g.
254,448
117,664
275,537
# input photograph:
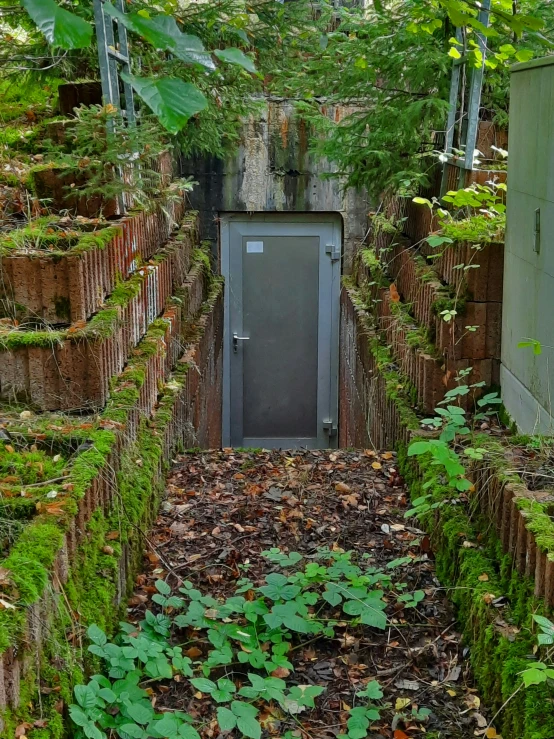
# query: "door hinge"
331,428
537,232
333,250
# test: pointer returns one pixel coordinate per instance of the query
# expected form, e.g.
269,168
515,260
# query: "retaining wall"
140,344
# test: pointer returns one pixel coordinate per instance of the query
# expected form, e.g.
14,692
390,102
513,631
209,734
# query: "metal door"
281,330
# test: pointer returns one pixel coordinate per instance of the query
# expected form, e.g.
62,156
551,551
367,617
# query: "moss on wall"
112,536
500,638
46,236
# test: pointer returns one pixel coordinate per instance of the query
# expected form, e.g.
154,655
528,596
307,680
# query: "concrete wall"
528,379
274,171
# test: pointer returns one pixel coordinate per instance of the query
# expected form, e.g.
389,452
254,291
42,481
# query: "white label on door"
254,247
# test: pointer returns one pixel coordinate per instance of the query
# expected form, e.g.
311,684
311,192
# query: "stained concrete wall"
528,379
273,170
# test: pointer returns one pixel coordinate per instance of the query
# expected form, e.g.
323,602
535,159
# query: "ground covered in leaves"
223,509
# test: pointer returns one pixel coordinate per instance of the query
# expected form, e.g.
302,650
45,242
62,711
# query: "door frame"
288,222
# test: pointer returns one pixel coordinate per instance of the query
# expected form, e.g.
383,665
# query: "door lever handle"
236,339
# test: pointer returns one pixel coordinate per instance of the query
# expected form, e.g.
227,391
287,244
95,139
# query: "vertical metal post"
103,57
474,104
124,51
110,55
476,87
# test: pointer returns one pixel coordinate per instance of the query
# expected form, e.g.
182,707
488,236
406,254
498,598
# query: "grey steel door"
281,330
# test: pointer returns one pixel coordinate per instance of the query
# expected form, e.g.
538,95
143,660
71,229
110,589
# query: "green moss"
450,302
500,641
478,229
93,589
28,465
48,235
398,388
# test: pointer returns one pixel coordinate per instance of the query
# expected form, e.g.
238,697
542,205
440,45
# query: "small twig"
45,483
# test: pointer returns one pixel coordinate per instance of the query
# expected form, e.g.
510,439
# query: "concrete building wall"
273,170
528,379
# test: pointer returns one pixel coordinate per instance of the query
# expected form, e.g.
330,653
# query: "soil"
224,508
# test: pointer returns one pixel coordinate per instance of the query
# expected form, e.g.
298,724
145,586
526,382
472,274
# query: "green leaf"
369,610
167,726
162,587
358,723
304,695
204,685
96,635
141,712
544,623
533,676
163,33
249,727
524,55
226,719
173,101
278,588
131,730
85,695
78,716
436,241
372,691
59,26
418,447
533,343
188,732
91,731
236,56
243,709
108,695
423,201
221,696
332,594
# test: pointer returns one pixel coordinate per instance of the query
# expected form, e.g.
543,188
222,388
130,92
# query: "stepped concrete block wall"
63,288
494,547
73,370
409,288
484,281
191,416
369,417
139,342
60,186
479,291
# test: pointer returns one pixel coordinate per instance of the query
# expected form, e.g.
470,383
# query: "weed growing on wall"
108,159
447,452
476,214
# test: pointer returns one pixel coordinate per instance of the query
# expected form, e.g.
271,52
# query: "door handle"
236,339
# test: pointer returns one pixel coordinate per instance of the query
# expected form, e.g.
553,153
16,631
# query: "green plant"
539,672
475,214
172,100
257,627
109,160
533,344
452,422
